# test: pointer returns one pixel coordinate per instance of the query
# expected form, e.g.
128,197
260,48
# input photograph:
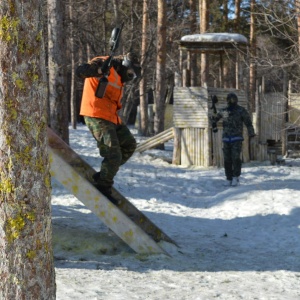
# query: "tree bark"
193,29
238,77
73,100
143,81
26,257
204,13
160,67
59,116
226,66
252,75
297,7
237,16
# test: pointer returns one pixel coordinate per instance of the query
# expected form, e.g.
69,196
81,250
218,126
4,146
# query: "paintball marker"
214,100
114,44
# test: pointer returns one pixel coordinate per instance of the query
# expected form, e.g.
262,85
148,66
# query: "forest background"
153,29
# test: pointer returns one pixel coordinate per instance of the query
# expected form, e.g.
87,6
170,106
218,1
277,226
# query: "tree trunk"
226,66
59,119
238,77
204,13
297,7
26,257
252,75
73,100
237,16
160,67
193,29
143,82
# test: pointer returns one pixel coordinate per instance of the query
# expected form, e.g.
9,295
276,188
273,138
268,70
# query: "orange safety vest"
107,107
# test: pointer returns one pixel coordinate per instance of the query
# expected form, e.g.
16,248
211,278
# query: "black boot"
106,190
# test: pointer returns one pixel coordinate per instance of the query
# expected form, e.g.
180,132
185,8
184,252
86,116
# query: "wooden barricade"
158,139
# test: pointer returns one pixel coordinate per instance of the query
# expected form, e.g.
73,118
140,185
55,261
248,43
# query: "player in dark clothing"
234,116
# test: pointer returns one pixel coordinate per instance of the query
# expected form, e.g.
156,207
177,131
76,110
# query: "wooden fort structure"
276,118
194,141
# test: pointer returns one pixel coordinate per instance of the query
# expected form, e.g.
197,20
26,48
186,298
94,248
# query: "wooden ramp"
125,220
156,140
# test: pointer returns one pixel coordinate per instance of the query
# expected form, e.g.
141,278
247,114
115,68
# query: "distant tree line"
272,28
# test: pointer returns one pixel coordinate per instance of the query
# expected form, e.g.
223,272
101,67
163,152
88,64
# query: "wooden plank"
177,146
156,140
193,146
108,213
86,171
190,107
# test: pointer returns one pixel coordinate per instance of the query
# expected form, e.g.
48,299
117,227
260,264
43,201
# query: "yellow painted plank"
107,212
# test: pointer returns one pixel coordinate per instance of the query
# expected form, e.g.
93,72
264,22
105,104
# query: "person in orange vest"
115,142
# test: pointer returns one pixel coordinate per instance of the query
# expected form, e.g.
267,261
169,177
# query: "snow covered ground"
234,243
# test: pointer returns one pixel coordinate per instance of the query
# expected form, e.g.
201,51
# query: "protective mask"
126,74
133,67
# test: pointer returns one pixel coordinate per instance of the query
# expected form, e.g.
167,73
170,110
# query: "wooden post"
177,147
221,77
177,79
188,69
181,65
272,157
184,77
237,70
258,112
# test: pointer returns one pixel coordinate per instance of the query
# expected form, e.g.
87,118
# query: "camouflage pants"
232,159
116,145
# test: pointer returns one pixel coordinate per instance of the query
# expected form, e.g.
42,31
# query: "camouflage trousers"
232,159
116,145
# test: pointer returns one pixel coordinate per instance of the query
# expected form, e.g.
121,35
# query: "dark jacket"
233,119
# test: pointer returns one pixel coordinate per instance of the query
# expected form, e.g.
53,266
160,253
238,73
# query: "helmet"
232,99
131,61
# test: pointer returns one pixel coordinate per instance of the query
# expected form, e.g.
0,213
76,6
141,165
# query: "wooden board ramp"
125,220
156,140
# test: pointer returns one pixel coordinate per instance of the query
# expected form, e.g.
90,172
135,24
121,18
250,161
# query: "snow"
216,37
234,242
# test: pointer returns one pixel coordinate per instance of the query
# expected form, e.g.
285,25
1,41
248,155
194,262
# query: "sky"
232,242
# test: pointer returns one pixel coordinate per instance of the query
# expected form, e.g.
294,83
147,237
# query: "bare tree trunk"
73,103
252,75
238,78
160,67
297,7
26,257
226,70
193,29
204,13
237,15
104,30
59,119
225,15
116,10
143,82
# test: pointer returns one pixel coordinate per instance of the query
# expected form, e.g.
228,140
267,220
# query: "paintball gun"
114,44
214,100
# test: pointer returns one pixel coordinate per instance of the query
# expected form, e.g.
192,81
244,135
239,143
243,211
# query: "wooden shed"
194,142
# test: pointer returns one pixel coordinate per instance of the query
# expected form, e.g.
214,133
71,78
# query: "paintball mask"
131,68
232,99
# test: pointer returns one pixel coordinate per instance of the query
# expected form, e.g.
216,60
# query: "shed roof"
213,41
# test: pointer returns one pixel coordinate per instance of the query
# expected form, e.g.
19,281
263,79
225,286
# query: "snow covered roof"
216,38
